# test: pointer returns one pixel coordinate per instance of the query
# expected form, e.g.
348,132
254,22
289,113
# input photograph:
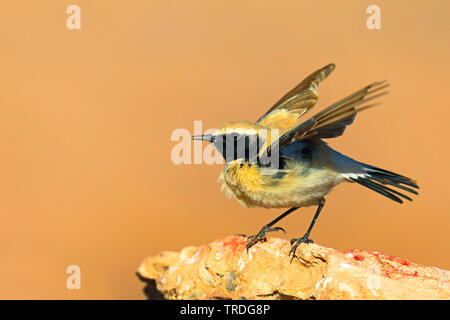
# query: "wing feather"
332,121
304,96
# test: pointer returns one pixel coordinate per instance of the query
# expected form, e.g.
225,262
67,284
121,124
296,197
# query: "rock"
224,270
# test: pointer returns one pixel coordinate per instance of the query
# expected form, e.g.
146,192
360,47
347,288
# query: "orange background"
86,117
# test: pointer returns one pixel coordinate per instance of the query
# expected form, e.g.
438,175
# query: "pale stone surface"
224,270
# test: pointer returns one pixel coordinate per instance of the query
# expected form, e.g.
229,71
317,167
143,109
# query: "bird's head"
235,140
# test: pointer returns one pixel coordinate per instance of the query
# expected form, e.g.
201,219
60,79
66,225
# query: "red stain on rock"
234,243
389,265
394,265
358,257
397,260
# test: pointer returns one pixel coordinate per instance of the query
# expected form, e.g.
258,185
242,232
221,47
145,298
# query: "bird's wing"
332,121
284,114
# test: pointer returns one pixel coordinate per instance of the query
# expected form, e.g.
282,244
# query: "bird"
280,161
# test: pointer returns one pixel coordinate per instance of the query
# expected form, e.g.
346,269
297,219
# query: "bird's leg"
305,238
261,235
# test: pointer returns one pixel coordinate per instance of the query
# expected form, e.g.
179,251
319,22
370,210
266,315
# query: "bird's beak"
203,137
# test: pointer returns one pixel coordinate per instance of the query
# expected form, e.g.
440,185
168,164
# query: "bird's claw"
261,236
278,229
296,242
240,235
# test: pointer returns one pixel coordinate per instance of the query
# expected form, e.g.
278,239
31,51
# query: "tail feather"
389,182
376,179
390,176
377,188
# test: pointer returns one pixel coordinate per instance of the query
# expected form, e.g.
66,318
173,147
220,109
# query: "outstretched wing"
284,114
332,121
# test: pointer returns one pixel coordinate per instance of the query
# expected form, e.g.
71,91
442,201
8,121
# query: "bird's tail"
376,179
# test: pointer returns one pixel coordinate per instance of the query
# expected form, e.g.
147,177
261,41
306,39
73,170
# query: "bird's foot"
240,235
261,236
296,242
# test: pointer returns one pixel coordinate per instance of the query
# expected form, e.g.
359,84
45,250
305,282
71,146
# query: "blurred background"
86,118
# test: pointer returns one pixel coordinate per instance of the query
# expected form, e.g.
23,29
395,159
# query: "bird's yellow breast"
287,188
